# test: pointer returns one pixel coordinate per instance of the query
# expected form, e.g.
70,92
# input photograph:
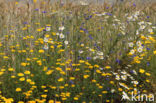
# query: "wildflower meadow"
77,52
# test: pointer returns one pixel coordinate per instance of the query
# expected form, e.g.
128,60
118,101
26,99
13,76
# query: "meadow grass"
76,53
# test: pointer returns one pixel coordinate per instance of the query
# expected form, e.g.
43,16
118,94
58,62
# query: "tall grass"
72,53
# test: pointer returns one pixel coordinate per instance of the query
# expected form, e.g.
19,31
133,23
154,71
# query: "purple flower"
148,48
148,64
107,78
108,88
44,11
55,46
88,58
98,48
81,28
71,82
95,44
118,61
79,57
107,7
25,23
90,16
67,33
131,71
108,14
90,37
134,4
36,9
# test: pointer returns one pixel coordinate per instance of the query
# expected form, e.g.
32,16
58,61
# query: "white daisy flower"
61,28
100,53
48,28
142,27
80,51
57,34
150,30
124,72
117,77
66,42
112,90
46,47
138,43
135,82
61,36
137,32
46,39
124,77
140,49
83,3
131,44
132,51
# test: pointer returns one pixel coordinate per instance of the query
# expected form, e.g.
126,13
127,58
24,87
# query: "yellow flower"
18,89
5,57
1,73
51,101
60,79
72,78
20,102
20,74
57,102
64,98
97,66
44,96
152,33
107,67
16,3
27,72
154,52
93,81
147,81
107,100
49,72
81,31
86,76
31,101
76,98
45,90
81,61
53,33
43,86
100,87
68,69
52,47
9,100
23,64
13,76
28,80
120,89
34,1
31,51
39,62
39,29
22,79
104,92
41,51
111,82
148,74
142,71
32,83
